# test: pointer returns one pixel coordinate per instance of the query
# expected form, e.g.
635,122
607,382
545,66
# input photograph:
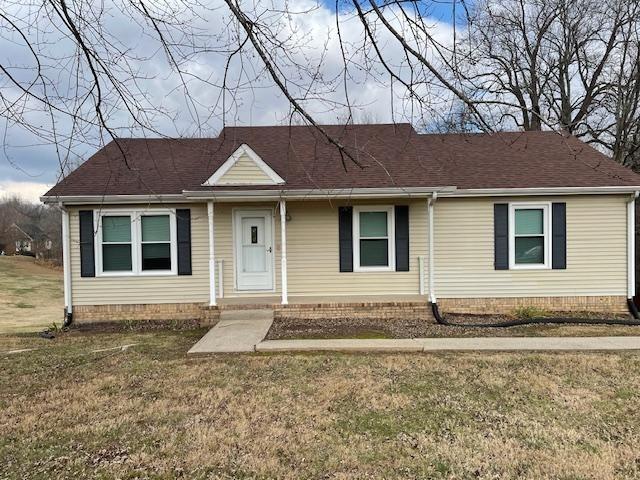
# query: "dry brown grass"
153,412
31,295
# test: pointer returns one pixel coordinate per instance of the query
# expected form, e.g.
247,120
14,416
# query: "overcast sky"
30,165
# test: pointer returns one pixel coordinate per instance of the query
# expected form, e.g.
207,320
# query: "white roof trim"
301,194
243,149
504,192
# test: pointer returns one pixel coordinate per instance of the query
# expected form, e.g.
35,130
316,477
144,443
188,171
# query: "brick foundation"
604,304
207,315
369,310
159,311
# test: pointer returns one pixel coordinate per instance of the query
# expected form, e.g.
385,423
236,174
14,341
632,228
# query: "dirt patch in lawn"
379,328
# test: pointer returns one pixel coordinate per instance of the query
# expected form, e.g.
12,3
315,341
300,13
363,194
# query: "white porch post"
212,262
66,261
431,260
283,252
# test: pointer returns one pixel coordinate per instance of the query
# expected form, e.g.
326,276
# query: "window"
116,243
156,242
373,239
136,243
529,239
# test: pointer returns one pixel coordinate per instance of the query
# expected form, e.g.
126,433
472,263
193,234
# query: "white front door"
253,233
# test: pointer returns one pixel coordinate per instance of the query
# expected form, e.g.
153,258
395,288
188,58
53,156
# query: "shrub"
529,312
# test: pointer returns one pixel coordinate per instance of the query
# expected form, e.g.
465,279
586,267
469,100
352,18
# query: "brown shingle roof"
390,156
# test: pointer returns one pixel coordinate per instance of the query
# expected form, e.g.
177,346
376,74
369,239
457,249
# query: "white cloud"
256,100
29,191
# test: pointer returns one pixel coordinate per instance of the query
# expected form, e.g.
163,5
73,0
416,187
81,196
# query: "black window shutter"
501,236
402,238
559,236
183,227
87,254
345,233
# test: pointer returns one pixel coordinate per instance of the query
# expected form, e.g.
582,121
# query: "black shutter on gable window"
501,236
183,231
559,236
87,254
402,237
345,234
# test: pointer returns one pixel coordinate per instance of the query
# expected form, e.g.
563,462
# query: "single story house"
27,239
381,221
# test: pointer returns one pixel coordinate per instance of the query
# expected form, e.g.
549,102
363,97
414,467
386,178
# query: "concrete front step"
328,310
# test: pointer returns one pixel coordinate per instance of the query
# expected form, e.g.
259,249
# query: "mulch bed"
400,328
135,326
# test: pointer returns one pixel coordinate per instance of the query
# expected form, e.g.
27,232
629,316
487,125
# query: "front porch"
387,307
278,253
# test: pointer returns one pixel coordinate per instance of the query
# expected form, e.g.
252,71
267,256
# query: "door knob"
269,249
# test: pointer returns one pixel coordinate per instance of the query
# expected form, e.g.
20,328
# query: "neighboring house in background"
27,239
279,216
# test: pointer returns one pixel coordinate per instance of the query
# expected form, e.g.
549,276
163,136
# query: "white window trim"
391,234
136,242
546,222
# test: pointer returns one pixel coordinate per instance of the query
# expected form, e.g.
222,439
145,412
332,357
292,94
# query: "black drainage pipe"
532,321
632,308
68,318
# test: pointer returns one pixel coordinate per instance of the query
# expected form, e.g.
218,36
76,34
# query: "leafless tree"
74,77
561,64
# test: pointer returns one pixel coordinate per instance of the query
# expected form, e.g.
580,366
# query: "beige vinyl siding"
245,171
596,250
596,255
313,253
145,289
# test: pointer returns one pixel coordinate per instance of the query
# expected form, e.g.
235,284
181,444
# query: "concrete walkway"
237,331
452,344
244,331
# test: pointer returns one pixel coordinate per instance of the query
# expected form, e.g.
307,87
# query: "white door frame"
237,214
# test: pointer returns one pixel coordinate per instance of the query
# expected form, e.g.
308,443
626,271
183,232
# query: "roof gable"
244,167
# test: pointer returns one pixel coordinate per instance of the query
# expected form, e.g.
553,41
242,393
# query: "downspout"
631,254
431,272
66,265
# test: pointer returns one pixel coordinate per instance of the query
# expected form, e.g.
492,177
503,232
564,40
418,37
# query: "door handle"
269,249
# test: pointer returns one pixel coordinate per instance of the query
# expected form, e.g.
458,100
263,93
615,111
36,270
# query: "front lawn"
31,296
69,411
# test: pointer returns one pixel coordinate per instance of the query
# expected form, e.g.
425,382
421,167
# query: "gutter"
190,196
503,192
312,194
112,199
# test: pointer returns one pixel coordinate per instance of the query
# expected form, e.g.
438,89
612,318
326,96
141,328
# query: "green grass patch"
23,305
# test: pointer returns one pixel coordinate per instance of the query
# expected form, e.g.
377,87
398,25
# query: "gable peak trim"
241,151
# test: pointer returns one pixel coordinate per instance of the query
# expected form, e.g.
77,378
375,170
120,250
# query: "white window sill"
529,267
373,269
159,273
